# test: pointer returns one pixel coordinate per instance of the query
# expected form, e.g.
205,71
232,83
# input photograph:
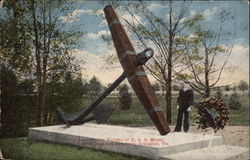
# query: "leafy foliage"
94,87
125,97
66,94
17,104
15,38
227,88
243,86
219,93
204,45
34,39
234,102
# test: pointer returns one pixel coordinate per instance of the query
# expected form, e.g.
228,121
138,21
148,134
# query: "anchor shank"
91,107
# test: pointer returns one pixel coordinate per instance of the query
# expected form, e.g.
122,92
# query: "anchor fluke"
61,115
101,114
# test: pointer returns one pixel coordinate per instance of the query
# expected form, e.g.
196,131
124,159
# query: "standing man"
184,106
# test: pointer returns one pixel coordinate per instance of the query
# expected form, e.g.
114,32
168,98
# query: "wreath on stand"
212,113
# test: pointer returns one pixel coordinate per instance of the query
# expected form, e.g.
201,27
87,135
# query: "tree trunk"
168,98
168,86
50,118
44,87
39,76
39,101
169,74
168,95
39,120
44,66
0,94
207,87
43,106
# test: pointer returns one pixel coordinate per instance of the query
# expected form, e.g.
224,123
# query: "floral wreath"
212,113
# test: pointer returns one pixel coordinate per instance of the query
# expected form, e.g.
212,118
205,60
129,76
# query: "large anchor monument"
132,65
128,140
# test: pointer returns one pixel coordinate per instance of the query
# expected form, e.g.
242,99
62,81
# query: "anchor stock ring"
137,73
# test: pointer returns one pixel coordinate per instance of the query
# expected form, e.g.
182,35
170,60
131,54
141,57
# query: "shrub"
94,87
125,97
227,88
234,102
243,86
17,105
219,93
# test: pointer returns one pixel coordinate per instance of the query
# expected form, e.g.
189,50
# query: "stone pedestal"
135,141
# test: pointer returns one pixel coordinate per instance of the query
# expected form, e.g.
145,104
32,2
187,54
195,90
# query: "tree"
8,95
52,46
227,88
65,92
41,43
166,35
94,87
243,86
14,41
0,95
219,92
17,104
207,43
125,97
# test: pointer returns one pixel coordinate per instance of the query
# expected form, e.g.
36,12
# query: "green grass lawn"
137,115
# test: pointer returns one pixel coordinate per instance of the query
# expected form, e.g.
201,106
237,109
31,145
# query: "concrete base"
221,152
133,141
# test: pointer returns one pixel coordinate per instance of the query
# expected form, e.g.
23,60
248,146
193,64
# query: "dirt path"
233,135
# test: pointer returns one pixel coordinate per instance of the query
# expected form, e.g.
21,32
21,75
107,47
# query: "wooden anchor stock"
135,73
